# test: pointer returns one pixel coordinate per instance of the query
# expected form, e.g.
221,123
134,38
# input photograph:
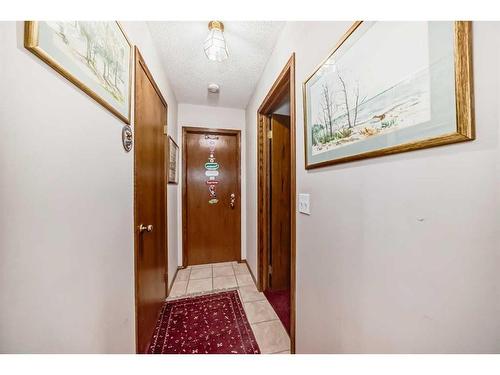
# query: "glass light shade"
215,45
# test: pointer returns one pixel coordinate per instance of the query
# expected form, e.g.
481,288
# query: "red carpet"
208,324
280,301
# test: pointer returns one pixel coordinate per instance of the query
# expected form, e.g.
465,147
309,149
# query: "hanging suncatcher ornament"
211,171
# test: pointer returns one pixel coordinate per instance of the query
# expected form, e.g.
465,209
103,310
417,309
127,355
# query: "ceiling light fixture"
215,44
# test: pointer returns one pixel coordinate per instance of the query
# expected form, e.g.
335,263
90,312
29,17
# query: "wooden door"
150,203
279,155
211,196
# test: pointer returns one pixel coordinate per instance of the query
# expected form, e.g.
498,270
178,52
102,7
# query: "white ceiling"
180,45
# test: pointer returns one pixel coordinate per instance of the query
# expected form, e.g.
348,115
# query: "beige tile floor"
266,326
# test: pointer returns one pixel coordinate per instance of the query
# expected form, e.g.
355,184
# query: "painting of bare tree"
96,56
387,84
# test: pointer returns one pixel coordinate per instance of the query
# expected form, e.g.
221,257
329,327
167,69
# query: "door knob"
145,228
233,199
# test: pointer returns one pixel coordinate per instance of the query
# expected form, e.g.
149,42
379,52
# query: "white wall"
401,253
66,208
222,118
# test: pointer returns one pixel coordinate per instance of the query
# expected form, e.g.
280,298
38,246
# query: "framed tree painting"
173,152
95,56
390,87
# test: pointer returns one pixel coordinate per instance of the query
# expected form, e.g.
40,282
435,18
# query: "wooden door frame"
194,129
284,84
140,63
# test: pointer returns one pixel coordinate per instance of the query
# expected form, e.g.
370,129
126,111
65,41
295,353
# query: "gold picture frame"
464,100
31,43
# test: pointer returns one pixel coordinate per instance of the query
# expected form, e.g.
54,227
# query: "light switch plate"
304,204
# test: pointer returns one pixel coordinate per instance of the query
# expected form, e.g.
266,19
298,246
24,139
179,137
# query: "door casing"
283,86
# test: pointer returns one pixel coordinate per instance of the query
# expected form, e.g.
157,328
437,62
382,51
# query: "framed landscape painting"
390,87
95,56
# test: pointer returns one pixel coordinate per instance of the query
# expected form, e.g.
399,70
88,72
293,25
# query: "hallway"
205,279
276,186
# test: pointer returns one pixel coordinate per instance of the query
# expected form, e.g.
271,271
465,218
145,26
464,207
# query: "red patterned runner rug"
208,324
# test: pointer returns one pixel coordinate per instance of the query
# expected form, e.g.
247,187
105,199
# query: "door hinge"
269,134
165,130
270,270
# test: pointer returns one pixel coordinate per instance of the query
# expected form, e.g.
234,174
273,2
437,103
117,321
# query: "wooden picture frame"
462,82
112,88
173,162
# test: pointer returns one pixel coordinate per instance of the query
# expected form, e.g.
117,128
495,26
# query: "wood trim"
464,96
139,61
31,44
285,83
293,210
263,202
136,239
194,129
183,201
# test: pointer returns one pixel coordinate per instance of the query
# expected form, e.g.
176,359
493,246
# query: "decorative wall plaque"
127,138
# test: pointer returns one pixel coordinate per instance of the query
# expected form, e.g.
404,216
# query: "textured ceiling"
180,45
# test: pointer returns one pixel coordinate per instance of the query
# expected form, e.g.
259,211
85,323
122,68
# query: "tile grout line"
187,284
188,281
266,321
189,278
